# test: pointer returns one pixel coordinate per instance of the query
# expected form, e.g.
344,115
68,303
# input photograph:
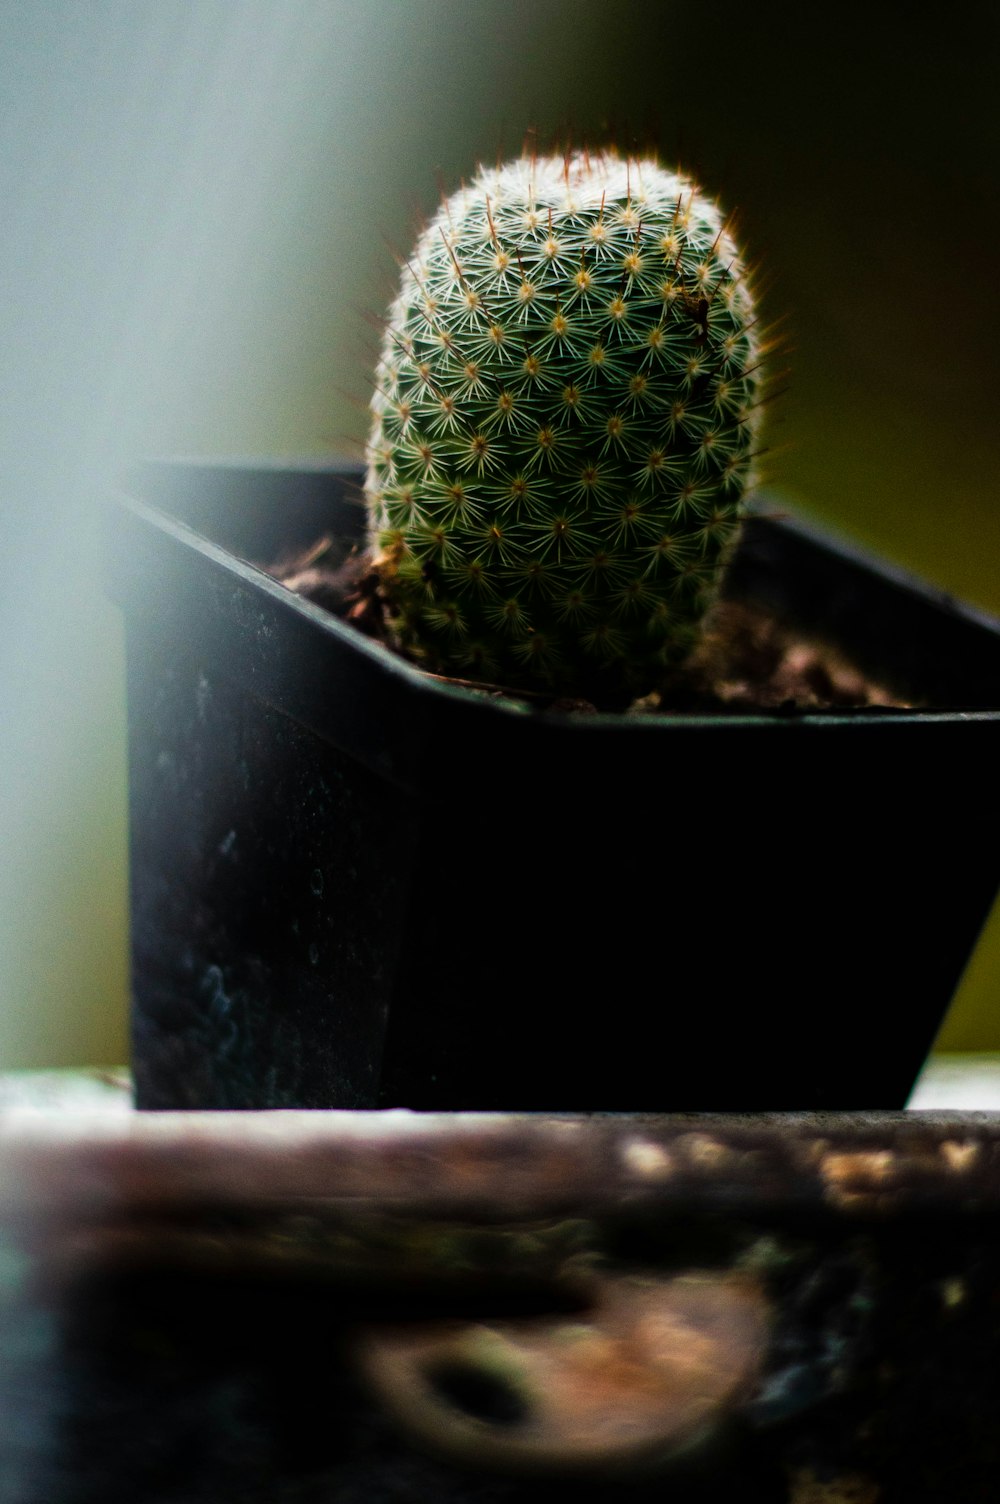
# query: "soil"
745,660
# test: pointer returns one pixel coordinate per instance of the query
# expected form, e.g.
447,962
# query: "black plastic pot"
354,886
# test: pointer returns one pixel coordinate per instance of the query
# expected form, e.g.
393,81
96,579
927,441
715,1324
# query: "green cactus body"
562,426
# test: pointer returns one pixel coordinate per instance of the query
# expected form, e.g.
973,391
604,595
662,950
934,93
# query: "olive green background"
201,199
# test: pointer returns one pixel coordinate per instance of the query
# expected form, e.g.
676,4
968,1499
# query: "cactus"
563,426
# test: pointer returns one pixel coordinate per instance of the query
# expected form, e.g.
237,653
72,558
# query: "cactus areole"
563,426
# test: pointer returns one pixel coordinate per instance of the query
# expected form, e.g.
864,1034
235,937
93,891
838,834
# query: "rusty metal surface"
78,1150
340,1307
646,1373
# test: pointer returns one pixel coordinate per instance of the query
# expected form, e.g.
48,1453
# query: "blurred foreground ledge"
71,1142
333,1307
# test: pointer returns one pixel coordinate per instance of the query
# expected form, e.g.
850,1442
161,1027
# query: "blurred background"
199,200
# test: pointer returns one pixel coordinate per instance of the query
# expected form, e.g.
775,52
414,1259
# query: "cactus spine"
562,425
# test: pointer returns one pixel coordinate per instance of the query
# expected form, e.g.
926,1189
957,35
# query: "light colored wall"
199,196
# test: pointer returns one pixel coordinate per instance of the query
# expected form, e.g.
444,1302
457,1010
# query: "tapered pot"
355,886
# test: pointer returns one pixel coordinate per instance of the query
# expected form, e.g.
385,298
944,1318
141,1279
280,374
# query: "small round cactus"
563,426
